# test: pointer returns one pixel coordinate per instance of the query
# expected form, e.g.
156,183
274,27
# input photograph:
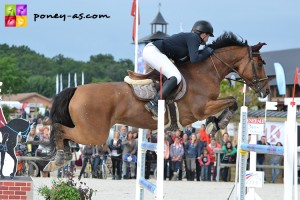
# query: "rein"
24,134
255,82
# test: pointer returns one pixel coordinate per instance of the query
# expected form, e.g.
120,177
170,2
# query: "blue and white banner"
280,78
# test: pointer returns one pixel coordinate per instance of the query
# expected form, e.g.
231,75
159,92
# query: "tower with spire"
158,29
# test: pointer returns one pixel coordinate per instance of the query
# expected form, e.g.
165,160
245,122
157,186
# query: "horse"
10,132
86,113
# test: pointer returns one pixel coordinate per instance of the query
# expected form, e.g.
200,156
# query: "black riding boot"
168,86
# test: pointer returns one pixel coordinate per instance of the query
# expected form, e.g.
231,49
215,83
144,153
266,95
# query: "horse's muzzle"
263,93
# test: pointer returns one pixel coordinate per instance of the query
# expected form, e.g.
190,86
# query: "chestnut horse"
85,114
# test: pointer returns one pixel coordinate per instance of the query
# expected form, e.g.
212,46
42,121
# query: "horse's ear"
246,42
258,46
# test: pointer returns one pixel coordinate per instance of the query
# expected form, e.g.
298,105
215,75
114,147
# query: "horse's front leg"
2,163
223,110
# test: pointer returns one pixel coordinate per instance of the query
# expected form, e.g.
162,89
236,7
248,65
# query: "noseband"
255,81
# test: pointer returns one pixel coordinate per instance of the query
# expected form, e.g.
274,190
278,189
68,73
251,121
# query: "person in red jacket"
204,137
213,159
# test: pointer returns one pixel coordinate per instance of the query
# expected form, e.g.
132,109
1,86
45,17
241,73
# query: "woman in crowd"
129,158
191,149
166,156
229,155
213,159
115,151
275,160
176,154
204,137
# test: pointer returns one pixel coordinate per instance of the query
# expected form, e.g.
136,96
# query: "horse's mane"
227,39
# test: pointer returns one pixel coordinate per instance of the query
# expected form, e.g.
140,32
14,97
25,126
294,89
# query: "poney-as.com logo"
15,15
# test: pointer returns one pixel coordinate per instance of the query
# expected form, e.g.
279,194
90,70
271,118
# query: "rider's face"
204,37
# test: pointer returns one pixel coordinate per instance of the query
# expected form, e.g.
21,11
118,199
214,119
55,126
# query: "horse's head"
19,127
244,60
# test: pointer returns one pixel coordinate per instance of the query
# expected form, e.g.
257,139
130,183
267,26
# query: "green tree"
13,79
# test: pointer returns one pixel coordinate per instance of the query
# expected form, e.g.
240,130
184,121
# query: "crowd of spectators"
189,154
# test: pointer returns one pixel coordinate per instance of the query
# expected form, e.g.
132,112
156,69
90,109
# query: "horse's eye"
260,65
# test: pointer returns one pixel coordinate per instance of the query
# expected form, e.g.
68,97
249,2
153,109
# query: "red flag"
133,13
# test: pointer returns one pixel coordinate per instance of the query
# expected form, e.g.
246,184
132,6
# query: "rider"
180,47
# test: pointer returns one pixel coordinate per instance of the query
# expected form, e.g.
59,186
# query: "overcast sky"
275,22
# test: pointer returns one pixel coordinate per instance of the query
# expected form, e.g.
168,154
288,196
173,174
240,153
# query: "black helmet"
202,26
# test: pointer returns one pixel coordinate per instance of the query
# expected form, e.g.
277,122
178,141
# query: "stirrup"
151,107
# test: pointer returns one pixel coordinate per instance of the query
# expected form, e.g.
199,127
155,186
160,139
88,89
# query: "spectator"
123,133
229,155
213,159
87,153
166,156
192,153
98,155
185,140
150,155
225,139
261,157
43,149
189,129
176,154
115,151
204,162
275,160
31,138
204,137
128,154
200,148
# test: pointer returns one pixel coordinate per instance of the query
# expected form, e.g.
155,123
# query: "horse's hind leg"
12,154
59,142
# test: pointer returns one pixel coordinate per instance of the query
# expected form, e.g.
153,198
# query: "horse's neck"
227,59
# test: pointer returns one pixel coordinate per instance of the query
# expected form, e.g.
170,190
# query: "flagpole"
136,21
57,84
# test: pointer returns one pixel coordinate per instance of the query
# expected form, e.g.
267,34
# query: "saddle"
146,86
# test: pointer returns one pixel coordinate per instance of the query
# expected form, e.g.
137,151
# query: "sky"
275,22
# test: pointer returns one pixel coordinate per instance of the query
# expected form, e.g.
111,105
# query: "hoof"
2,177
59,158
68,156
12,175
211,128
225,120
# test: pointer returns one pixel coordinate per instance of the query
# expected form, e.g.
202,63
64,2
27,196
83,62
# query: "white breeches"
156,60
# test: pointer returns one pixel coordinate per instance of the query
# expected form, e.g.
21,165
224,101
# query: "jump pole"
143,146
289,152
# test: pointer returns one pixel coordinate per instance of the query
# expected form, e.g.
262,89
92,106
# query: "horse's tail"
60,113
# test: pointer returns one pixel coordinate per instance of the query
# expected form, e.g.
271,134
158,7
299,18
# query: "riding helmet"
203,26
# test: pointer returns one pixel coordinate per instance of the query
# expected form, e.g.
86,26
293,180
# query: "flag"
134,12
57,84
61,83
75,79
280,78
82,78
296,81
69,80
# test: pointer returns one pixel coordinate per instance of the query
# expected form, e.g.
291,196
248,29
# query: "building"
289,59
158,30
33,103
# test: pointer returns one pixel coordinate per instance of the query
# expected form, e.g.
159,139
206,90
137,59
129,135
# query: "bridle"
255,82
